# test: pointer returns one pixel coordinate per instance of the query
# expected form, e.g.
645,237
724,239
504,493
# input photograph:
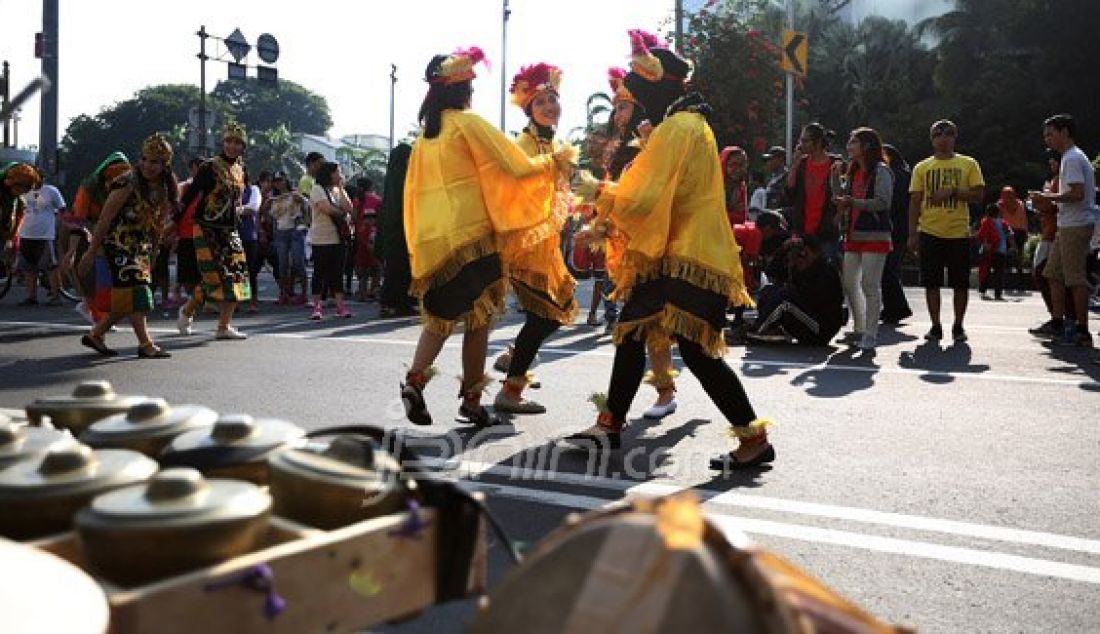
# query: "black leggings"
535,330
328,268
717,378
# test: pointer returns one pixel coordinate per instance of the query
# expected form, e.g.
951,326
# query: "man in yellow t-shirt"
940,194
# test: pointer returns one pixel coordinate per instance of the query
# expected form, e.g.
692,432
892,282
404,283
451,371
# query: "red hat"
532,80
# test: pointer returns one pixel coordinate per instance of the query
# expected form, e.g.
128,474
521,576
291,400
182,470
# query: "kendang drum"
660,566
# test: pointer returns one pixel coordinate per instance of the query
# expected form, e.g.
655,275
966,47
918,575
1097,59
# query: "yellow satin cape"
541,266
470,192
669,216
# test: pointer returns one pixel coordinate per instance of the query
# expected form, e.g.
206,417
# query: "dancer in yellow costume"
473,201
678,268
538,274
626,118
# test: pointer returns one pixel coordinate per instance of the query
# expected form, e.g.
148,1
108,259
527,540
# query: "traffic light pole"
47,150
790,94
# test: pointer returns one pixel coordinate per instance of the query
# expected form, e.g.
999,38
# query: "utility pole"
504,61
679,26
203,35
5,96
393,89
790,94
47,142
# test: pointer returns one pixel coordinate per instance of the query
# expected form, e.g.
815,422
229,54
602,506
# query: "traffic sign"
267,47
793,53
238,46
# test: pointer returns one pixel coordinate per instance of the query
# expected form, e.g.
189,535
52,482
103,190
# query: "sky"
339,49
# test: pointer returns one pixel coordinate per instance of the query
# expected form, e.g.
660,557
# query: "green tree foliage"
263,106
1003,66
876,74
270,114
995,67
124,126
737,70
365,162
274,150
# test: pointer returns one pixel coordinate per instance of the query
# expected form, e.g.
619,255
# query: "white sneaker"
657,412
230,334
184,321
85,312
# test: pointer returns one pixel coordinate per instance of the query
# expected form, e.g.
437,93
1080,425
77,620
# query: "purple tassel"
259,578
414,525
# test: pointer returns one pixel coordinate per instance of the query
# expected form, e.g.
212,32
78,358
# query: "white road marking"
904,547
559,351
729,500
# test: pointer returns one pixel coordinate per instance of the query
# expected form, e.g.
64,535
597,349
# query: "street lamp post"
679,25
503,60
393,88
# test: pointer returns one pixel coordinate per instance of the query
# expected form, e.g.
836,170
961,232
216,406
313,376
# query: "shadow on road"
940,363
822,383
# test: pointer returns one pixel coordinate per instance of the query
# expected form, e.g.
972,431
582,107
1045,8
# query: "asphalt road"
952,487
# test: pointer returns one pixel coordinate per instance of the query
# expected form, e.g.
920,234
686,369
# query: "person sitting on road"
774,234
809,307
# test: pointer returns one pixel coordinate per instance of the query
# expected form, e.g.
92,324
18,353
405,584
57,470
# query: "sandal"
475,415
729,462
96,343
152,351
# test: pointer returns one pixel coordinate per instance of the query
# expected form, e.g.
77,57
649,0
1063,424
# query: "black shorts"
939,253
37,255
187,265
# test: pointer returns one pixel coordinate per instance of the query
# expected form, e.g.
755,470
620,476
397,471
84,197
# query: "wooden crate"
332,581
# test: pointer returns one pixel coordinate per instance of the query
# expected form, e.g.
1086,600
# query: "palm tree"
275,150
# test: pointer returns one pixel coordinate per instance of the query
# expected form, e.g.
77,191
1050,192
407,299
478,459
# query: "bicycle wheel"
70,286
73,286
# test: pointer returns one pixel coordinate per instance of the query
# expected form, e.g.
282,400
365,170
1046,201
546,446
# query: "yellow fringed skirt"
468,287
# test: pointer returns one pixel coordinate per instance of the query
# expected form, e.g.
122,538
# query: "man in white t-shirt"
36,241
1068,261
